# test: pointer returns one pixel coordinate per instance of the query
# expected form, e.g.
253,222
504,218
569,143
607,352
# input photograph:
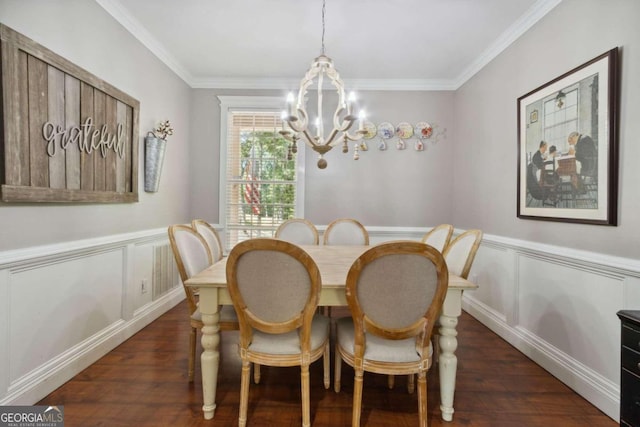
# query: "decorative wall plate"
419,145
386,130
424,130
400,145
371,130
382,146
404,130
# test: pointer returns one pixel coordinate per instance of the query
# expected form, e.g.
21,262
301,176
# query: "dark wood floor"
143,382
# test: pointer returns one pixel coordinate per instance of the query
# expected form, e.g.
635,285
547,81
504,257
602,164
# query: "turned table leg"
447,360
210,359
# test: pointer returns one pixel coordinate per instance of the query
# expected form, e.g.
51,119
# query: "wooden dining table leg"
447,360
210,359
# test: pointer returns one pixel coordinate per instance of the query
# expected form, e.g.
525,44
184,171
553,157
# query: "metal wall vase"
154,149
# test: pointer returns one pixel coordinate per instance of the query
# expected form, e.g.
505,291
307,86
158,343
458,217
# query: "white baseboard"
102,275
32,387
601,392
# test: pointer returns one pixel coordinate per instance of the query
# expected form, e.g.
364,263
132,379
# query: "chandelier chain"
324,7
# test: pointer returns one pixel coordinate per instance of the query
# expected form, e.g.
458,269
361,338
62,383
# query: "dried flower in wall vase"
155,145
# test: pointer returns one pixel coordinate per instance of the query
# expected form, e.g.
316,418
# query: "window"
560,117
259,185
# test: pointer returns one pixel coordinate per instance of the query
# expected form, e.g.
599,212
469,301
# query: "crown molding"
244,83
401,84
135,27
354,84
518,28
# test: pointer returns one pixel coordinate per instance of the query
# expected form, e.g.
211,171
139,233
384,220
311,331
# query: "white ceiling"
375,44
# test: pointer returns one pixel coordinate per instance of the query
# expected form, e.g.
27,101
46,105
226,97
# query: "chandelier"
297,118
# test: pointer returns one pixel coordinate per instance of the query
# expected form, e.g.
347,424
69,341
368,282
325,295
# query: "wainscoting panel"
558,306
573,309
57,305
497,270
64,306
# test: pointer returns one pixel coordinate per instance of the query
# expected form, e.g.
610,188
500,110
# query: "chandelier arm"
332,136
310,139
295,127
302,122
357,137
345,125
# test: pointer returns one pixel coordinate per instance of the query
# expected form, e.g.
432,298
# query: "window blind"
261,182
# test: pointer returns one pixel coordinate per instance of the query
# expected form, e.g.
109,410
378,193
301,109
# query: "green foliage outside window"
264,159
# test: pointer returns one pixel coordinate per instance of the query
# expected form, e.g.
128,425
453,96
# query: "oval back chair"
439,236
192,255
346,231
461,252
298,231
211,236
395,292
275,287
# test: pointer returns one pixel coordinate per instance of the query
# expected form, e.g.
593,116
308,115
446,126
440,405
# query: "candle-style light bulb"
284,131
361,119
351,99
290,106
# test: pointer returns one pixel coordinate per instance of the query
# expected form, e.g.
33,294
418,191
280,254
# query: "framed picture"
568,147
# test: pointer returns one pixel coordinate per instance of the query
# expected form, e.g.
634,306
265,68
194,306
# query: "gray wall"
484,191
391,188
84,33
388,188
468,179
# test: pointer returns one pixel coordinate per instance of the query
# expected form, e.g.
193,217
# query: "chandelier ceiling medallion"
297,118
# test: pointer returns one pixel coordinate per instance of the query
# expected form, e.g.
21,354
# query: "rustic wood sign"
67,136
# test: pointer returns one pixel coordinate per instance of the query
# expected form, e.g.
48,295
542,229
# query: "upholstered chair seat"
379,349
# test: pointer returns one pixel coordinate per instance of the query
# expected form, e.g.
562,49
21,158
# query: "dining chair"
439,236
228,320
461,252
192,255
298,231
211,236
275,287
459,256
345,231
395,292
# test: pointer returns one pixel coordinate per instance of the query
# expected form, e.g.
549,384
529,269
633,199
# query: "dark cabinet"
630,368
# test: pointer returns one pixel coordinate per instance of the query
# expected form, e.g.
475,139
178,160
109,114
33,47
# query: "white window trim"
252,103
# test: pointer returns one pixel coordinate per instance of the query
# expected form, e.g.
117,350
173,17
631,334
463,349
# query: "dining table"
334,263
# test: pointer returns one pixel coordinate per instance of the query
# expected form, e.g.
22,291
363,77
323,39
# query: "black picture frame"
568,156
